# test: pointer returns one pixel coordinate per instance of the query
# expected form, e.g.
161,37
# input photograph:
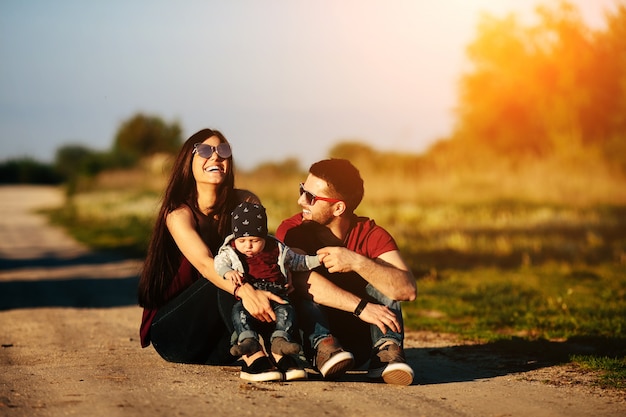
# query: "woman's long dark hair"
163,256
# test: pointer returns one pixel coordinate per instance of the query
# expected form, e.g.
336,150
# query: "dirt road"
69,346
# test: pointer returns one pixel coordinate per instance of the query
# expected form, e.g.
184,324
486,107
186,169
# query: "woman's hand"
257,303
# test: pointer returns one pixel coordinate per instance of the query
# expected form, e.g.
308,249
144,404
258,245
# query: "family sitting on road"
325,291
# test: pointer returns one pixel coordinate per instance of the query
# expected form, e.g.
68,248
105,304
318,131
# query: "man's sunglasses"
312,198
222,150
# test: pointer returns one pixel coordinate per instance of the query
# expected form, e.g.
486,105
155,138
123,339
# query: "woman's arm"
181,225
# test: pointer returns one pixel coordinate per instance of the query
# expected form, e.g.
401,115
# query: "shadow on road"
505,357
87,292
90,258
92,290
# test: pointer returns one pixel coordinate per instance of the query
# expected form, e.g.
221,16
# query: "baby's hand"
235,277
289,283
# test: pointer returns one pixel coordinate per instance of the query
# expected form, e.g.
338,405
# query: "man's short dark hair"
343,178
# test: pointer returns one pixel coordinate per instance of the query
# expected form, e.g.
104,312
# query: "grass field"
497,266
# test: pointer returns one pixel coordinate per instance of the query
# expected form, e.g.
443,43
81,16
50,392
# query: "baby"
250,255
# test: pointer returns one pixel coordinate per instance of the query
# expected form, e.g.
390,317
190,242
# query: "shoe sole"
295,374
398,374
262,377
337,365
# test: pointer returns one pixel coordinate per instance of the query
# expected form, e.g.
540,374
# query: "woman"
186,304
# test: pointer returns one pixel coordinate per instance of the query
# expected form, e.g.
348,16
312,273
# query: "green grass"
128,236
109,221
612,370
551,302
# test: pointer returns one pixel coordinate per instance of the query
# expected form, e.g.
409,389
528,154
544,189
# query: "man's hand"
338,259
380,316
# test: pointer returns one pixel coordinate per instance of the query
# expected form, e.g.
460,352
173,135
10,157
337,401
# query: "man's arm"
326,293
388,273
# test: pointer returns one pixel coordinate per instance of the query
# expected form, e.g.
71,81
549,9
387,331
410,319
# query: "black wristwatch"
359,309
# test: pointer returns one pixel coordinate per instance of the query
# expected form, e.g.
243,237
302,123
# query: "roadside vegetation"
514,225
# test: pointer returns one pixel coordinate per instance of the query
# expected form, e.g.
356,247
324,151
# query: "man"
354,300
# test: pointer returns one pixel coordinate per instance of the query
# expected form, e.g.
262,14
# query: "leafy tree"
143,135
540,89
74,160
28,171
611,81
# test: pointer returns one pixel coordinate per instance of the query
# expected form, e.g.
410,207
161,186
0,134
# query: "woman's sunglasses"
222,150
311,198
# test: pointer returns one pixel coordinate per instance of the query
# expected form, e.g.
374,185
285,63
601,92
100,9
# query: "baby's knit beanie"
249,219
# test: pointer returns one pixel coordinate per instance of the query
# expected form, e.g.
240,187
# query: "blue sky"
280,78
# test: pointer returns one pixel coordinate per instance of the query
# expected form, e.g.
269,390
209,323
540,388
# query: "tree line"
138,137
